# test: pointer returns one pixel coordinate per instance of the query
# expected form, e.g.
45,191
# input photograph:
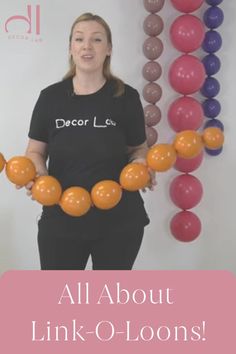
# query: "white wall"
28,66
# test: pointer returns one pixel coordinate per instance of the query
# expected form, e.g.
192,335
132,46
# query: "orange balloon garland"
47,190
20,170
134,176
106,194
2,162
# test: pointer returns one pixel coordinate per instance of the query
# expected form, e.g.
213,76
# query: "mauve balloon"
153,5
152,71
151,135
211,87
152,48
152,92
152,115
153,25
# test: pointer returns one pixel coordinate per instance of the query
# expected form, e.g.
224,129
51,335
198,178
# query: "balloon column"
213,17
186,76
152,49
76,201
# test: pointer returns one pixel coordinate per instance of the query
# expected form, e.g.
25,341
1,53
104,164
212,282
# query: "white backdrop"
29,62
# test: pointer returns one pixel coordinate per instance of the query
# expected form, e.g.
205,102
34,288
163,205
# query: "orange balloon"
213,138
46,190
106,194
134,176
2,162
20,170
188,144
75,201
161,157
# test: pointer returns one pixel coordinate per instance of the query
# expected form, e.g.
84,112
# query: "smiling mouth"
87,56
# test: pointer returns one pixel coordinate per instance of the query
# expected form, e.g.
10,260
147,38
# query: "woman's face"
89,46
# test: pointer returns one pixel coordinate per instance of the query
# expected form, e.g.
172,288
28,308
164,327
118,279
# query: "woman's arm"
37,152
138,154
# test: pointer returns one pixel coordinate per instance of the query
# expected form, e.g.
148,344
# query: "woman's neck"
87,84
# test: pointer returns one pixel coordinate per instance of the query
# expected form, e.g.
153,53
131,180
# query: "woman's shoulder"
59,87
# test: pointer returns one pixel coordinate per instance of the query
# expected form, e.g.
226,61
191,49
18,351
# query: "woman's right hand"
28,188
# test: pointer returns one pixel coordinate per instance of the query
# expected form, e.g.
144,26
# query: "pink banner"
135,312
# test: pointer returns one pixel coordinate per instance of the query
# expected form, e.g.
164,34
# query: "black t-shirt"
87,137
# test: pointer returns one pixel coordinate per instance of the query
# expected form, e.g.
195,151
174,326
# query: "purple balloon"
211,108
214,2
214,123
153,5
152,71
153,25
213,17
152,48
151,135
152,115
211,87
214,152
212,41
185,226
152,92
212,64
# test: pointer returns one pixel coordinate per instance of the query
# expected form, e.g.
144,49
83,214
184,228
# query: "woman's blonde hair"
119,85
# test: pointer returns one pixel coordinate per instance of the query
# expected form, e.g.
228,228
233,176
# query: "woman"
89,126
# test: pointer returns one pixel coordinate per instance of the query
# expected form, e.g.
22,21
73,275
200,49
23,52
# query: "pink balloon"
185,226
188,165
153,5
187,74
152,71
152,48
186,191
151,135
152,115
187,5
187,33
152,92
153,25
185,113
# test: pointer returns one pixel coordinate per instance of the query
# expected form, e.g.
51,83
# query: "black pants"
116,251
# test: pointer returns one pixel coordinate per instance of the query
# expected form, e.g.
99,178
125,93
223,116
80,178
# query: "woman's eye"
97,39
78,39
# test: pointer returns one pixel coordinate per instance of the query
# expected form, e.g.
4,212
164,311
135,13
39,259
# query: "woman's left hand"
152,182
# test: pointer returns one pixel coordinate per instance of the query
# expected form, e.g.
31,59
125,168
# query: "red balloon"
187,33
185,226
188,165
185,113
187,74
186,191
152,92
152,115
187,5
151,135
